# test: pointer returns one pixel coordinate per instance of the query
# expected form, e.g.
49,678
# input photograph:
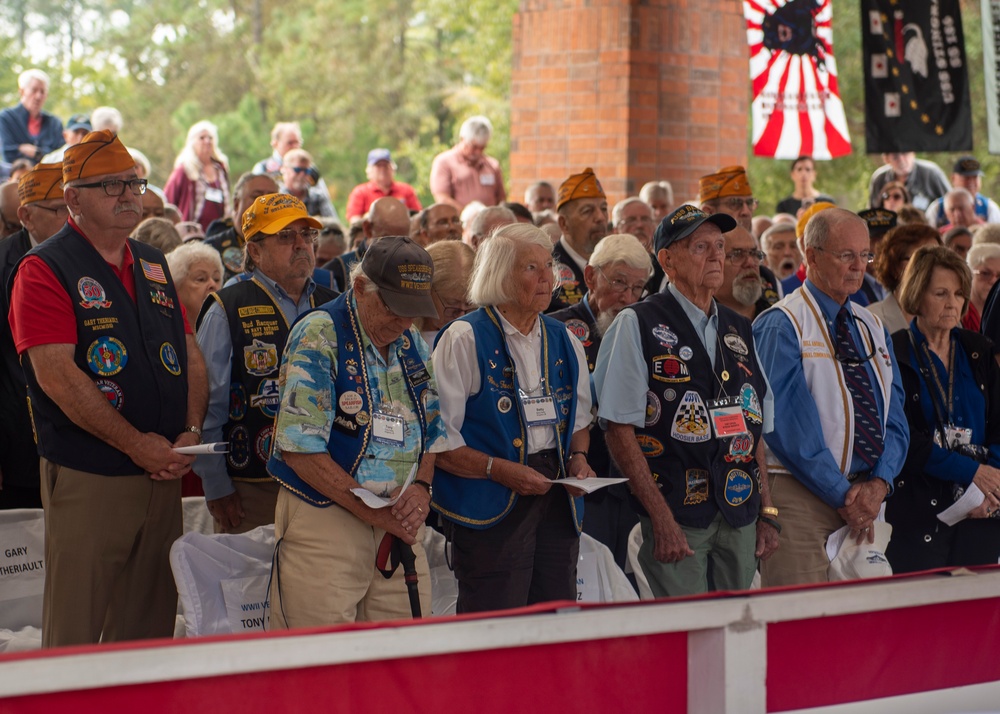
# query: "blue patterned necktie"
868,442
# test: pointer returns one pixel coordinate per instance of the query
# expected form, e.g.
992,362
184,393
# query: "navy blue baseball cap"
685,221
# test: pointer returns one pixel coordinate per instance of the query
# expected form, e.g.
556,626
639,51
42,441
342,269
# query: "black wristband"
771,522
574,453
421,482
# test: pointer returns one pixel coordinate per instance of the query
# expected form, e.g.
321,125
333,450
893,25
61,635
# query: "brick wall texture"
640,90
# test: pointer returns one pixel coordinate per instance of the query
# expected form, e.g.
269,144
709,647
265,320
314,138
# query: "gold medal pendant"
725,375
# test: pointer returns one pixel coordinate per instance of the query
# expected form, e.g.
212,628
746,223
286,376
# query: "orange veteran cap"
99,154
43,182
800,225
584,185
730,181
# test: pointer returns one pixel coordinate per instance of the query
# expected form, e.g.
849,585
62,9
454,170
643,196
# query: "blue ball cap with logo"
685,221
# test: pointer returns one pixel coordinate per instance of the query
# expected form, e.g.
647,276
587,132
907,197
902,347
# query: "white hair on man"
107,118
477,129
496,259
616,212
28,75
979,254
621,248
657,189
488,221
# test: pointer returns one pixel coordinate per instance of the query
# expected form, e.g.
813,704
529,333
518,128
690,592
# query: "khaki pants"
107,545
258,499
806,523
324,569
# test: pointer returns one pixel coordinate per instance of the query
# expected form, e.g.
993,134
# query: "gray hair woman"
515,400
199,184
197,272
984,262
159,233
450,286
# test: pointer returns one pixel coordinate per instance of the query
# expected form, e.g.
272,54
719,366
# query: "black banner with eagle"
916,83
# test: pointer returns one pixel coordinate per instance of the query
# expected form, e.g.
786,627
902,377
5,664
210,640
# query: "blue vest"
480,503
134,352
350,433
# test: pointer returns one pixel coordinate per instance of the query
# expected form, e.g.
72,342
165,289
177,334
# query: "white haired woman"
197,271
199,184
984,262
515,400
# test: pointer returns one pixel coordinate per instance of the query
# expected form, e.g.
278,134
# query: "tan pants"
806,522
107,545
324,569
257,499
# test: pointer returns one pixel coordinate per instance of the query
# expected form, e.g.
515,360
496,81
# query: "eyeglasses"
736,204
703,246
848,257
454,309
289,236
986,274
620,286
893,196
300,169
735,257
116,187
57,210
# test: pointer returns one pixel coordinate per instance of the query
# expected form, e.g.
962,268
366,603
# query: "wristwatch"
194,430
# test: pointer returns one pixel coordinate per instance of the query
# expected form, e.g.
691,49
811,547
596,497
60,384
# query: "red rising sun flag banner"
796,106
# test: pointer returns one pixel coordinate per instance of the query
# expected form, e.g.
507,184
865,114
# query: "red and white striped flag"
796,105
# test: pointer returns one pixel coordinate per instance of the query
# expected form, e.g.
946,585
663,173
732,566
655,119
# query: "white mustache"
126,207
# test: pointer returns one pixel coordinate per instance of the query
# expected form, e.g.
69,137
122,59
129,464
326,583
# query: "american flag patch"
153,271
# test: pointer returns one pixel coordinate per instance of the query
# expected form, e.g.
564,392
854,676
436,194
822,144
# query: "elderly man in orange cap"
583,219
280,254
42,212
116,383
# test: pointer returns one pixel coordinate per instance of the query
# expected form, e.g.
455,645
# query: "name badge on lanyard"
388,428
214,195
539,411
727,417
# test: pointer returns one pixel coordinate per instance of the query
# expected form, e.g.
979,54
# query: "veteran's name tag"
539,411
727,418
387,429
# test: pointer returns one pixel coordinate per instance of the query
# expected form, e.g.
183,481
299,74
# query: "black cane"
409,562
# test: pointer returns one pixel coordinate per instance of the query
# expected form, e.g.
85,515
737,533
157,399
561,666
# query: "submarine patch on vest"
239,448
237,402
739,487
266,398
106,356
691,420
653,409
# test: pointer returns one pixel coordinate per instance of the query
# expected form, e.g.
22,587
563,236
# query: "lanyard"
930,375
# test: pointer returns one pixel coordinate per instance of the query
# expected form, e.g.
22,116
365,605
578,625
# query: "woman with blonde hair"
449,287
199,184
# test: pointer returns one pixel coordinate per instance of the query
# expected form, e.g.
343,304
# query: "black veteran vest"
351,430
259,331
133,351
230,247
698,473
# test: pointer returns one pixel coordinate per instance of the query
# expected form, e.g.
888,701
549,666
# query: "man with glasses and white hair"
840,435
616,277
685,404
116,383
741,290
464,173
242,333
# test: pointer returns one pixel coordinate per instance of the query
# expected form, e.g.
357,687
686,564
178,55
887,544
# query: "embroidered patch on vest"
670,368
153,271
112,391
106,356
665,336
266,398
740,448
691,420
750,404
262,444
92,293
260,358
695,486
739,487
651,448
239,448
169,358
653,409
232,258
237,402
580,330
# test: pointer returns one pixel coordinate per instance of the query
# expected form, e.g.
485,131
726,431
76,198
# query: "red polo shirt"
365,194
